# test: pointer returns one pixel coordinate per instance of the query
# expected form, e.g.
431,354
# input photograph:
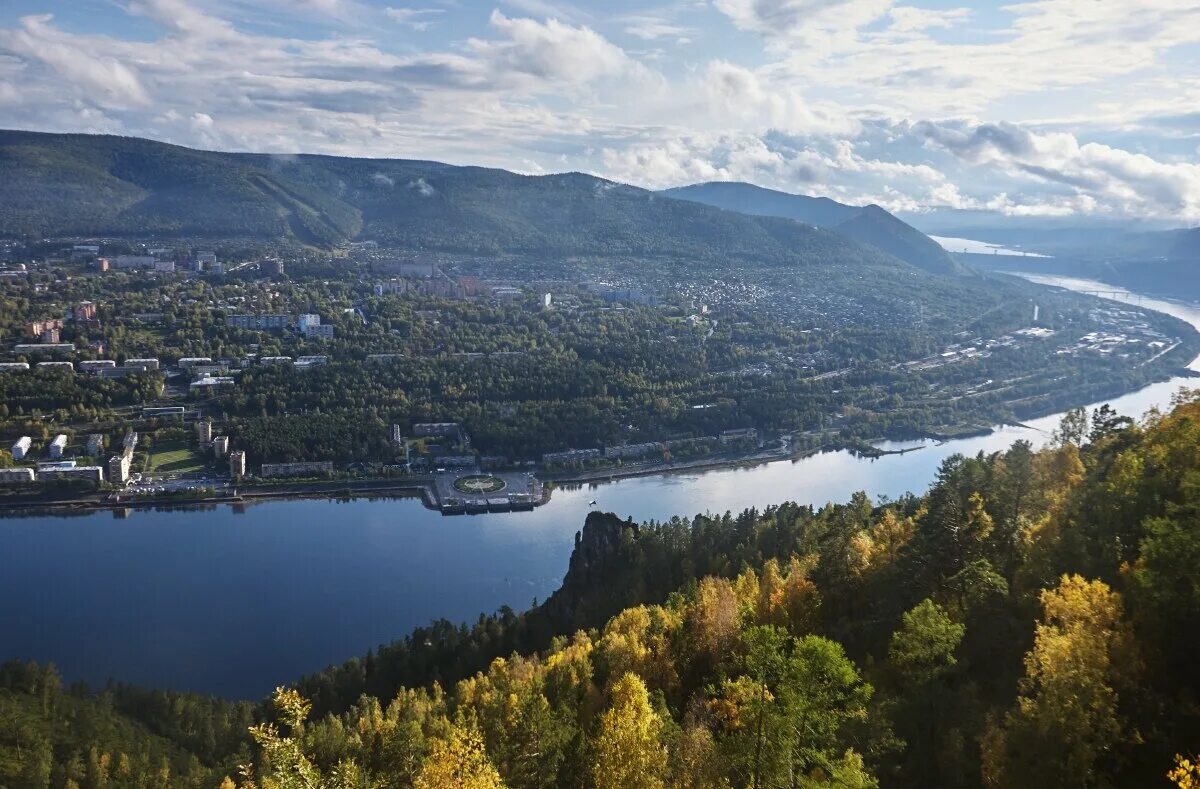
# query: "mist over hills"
868,224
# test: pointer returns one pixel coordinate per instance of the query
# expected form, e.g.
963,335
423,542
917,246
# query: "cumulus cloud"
1107,178
1061,106
552,50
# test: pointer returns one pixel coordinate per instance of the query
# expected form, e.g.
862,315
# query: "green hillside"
869,225
84,185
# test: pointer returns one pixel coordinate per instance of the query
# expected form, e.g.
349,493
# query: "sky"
1037,108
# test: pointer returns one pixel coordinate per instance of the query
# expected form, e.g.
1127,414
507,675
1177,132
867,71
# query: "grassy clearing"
174,458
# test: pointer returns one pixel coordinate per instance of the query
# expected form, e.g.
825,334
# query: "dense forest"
128,187
1031,621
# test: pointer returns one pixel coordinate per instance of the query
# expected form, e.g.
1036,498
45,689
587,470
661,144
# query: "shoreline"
425,487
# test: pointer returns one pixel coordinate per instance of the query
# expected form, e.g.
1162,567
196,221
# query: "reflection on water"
237,599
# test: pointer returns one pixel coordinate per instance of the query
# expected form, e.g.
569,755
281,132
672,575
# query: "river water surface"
236,601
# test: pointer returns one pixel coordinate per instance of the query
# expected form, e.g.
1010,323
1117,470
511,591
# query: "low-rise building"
95,365
741,434
308,362
56,366
209,383
16,476
379,358
307,469
95,445
188,362
632,450
6,367
164,266
21,448
58,445
571,456
92,474
141,364
32,348
260,322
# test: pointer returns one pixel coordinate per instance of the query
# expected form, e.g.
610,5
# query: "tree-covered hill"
88,185
1032,621
870,224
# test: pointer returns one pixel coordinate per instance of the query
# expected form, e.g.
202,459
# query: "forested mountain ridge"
1031,621
87,185
868,224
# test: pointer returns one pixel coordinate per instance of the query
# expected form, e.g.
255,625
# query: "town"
142,372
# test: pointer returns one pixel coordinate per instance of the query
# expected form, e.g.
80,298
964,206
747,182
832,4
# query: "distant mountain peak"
869,224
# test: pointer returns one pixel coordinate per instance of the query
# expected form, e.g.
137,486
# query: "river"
236,601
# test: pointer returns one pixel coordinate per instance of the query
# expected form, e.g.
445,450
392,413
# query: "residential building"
21,448
306,320
56,366
571,456
16,476
220,445
632,450
118,464
271,267
85,311
391,286
142,364
206,258
164,266
259,322
50,336
92,474
95,445
308,362
41,348
37,329
312,468
118,468
204,431
131,261
84,251
58,445
237,464
95,365
319,332
384,357
188,362
13,366
277,360
742,434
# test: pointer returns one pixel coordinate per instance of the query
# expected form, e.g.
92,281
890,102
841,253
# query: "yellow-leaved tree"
458,760
1066,721
628,753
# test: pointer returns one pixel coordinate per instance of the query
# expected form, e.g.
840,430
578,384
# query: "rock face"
603,552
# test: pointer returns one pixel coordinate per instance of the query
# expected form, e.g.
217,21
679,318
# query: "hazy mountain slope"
870,225
112,186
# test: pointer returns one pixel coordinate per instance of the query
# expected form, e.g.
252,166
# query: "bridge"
1117,295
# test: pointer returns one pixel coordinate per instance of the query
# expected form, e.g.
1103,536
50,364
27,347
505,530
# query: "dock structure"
521,491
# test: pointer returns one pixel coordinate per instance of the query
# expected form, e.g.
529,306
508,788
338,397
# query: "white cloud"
1109,179
552,50
417,18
